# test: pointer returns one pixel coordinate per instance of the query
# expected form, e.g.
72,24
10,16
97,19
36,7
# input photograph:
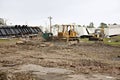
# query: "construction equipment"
48,36
67,33
64,33
98,35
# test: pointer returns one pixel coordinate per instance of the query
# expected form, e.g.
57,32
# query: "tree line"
102,25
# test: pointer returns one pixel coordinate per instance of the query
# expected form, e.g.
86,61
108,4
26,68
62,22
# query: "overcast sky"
36,12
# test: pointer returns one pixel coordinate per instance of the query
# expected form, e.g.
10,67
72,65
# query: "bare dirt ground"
59,61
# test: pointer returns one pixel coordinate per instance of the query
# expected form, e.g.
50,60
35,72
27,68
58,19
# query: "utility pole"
50,18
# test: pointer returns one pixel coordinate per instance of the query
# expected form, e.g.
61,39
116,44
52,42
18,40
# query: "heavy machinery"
64,33
48,36
67,33
98,35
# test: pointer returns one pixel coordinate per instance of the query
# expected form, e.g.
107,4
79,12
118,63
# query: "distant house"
84,31
112,30
81,31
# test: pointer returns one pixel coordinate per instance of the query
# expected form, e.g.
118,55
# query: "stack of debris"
18,31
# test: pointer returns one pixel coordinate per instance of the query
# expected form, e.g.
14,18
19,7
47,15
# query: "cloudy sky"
36,12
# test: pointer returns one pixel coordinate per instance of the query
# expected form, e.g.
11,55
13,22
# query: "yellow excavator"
98,35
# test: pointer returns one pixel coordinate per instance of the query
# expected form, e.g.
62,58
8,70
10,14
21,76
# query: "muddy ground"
36,60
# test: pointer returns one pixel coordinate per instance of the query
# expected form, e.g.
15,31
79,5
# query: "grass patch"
8,41
84,39
4,40
113,41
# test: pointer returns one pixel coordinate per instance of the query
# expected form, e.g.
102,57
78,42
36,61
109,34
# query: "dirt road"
83,61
